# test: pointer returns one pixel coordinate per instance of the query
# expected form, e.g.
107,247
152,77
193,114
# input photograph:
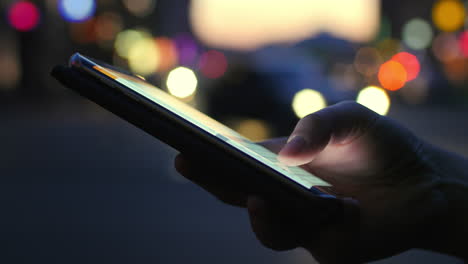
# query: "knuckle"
316,119
353,106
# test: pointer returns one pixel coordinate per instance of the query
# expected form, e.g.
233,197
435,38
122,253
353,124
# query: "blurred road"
79,185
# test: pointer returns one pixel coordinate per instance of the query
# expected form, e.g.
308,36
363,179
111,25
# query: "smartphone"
187,129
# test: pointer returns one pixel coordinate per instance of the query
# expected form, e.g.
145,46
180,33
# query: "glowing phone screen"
213,127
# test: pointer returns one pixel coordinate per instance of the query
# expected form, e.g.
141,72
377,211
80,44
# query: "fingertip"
296,144
274,145
295,160
300,149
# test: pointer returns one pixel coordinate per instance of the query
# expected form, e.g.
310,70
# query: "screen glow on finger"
308,101
374,98
77,10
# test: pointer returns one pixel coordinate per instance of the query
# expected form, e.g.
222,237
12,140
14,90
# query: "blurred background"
79,185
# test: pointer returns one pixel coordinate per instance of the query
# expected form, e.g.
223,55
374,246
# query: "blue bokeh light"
77,10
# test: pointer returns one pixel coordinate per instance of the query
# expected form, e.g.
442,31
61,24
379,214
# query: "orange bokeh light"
168,53
411,64
392,75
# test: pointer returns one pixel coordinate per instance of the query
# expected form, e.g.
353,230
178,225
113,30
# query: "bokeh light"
446,47
140,8
84,32
417,34
367,61
308,101
212,64
456,70
448,15
77,10
463,41
389,47
24,16
182,82
187,49
410,63
167,53
144,57
10,70
374,98
253,129
392,75
127,38
108,25
247,24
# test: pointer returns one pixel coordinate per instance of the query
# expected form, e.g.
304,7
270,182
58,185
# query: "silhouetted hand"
390,194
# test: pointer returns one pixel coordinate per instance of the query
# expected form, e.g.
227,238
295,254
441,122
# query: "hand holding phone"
377,167
380,167
187,129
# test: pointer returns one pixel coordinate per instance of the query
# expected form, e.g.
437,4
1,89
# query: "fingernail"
295,145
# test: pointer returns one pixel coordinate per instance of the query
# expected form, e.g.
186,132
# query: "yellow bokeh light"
247,24
308,101
448,15
374,98
143,57
182,82
126,39
253,129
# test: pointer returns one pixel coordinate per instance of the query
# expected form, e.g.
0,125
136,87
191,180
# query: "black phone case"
233,172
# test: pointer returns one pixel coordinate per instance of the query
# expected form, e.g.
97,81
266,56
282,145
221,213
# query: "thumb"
337,124
274,145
